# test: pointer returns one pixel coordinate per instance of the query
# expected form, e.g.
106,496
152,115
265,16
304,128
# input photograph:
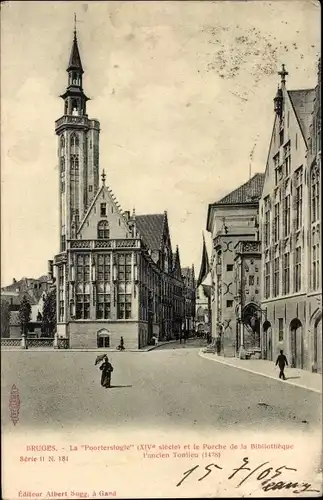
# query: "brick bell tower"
78,151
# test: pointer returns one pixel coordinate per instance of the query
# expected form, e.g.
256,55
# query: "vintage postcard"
161,283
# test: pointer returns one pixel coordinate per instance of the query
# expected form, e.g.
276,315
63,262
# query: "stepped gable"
151,228
249,192
303,105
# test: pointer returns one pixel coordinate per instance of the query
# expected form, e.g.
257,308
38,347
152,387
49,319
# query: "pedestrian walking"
282,362
107,369
121,346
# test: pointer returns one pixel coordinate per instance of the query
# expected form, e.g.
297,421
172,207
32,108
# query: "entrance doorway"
267,345
296,344
103,338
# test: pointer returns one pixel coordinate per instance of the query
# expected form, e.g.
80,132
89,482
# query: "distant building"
189,292
35,290
231,220
290,221
202,320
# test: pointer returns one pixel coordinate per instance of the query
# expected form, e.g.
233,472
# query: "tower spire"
75,62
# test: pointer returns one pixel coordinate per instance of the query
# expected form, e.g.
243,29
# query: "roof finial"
75,25
103,176
283,73
133,213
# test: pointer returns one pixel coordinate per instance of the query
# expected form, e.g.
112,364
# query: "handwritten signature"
266,474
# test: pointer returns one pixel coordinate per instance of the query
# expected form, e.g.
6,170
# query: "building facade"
290,222
247,300
231,220
115,272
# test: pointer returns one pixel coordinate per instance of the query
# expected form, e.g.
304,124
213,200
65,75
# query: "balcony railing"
81,121
94,244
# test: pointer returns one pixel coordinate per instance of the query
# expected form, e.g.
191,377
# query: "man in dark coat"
107,369
281,362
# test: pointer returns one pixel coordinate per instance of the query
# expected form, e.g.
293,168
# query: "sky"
184,94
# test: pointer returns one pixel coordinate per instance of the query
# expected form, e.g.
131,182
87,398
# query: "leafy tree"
24,314
49,314
5,319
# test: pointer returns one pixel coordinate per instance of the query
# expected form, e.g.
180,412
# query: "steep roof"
75,58
249,192
151,228
32,287
303,104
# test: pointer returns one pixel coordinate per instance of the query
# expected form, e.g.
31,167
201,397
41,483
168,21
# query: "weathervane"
283,73
103,176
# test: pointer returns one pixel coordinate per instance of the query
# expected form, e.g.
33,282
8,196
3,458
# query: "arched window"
75,142
103,230
75,107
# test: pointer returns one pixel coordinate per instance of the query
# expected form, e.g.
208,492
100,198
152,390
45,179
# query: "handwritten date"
264,473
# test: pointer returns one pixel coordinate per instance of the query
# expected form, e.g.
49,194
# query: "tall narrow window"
276,277
315,195
298,270
61,293
280,329
103,306
62,145
299,206
267,280
75,142
267,222
103,230
314,267
286,274
82,286
286,218
276,222
124,287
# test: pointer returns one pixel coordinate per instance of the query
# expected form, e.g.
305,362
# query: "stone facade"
115,274
290,221
231,220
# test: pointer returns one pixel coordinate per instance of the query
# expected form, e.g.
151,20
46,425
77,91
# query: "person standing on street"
107,369
282,362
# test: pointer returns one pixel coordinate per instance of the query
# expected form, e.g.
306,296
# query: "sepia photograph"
161,242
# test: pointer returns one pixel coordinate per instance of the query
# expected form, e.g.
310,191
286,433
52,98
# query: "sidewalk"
294,376
107,349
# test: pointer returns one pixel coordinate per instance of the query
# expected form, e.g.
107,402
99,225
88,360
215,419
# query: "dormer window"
103,230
